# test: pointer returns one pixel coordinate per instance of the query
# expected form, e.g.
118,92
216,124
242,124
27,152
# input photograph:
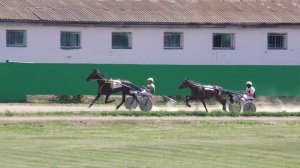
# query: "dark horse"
201,92
105,88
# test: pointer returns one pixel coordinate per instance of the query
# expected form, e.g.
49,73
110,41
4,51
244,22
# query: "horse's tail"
229,93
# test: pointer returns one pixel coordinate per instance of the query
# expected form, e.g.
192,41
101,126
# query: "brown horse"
201,92
105,88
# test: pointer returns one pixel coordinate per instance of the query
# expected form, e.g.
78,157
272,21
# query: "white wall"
43,46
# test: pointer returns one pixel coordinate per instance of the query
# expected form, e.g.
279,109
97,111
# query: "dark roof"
152,11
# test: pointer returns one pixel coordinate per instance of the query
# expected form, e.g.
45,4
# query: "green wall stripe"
19,79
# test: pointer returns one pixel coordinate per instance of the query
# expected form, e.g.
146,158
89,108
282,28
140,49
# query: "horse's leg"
96,98
123,100
106,99
222,101
203,102
135,97
224,104
187,101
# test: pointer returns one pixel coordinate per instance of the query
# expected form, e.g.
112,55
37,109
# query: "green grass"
8,113
136,144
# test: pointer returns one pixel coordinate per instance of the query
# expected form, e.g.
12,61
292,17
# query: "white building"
191,32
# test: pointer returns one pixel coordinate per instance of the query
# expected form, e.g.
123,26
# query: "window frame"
285,35
232,45
24,44
129,40
70,47
181,41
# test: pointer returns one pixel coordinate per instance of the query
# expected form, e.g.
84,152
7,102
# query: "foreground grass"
153,113
167,144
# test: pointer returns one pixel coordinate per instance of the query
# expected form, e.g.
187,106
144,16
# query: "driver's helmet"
249,83
150,79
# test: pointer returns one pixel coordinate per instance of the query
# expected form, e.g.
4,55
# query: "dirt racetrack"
143,119
30,107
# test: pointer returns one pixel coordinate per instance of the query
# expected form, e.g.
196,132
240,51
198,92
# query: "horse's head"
96,74
186,83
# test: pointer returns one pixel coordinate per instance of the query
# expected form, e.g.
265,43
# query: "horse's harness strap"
102,85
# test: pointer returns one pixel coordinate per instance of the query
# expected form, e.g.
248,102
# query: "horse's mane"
196,83
99,73
202,85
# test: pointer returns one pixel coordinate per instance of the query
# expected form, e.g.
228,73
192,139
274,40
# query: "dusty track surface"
118,118
27,107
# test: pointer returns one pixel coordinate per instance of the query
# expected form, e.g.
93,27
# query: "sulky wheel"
130,103
145,104
249,107
235,106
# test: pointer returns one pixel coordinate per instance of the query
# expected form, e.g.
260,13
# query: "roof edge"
147,24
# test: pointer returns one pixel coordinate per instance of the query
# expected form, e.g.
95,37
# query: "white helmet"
249,83
150,79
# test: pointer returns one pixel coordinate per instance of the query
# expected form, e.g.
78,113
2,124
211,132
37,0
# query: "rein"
109,81
100,79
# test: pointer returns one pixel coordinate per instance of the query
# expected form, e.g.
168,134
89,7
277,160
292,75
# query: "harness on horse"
204,88
115,83
100,88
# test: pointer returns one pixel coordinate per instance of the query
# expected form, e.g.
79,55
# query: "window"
173,40
70,40
277,41
121,40
223,41
16,38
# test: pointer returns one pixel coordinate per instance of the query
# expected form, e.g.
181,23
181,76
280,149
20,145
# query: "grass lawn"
161,143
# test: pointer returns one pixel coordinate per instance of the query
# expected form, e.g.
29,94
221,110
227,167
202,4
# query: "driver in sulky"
150,89
250,91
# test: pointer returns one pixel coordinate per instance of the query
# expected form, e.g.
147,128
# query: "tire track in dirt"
167,118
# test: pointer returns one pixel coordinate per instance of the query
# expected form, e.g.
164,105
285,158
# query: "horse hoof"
189,105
